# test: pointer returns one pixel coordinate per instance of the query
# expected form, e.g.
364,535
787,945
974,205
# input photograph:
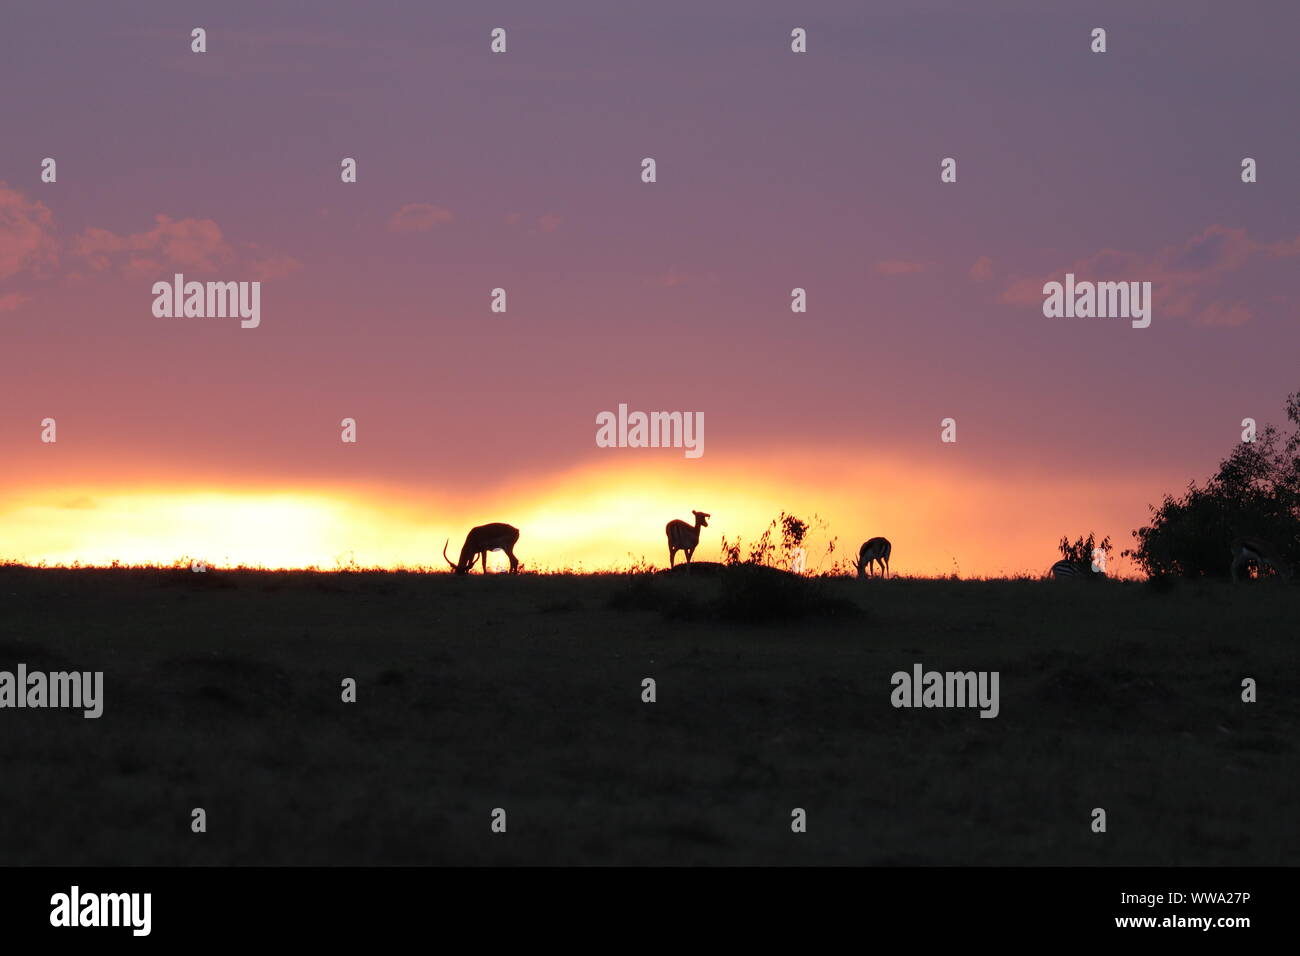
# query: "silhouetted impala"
683,537
873,551
481,540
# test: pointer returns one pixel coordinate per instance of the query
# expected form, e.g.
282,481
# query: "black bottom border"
337,905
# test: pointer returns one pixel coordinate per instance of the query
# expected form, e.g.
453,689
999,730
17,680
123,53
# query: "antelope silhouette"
481,540
684,537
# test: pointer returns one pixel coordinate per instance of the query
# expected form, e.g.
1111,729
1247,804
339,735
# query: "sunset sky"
195,437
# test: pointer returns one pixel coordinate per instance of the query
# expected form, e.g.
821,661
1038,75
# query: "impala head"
702,518
463,566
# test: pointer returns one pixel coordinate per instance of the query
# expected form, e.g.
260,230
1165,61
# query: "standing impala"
683,537
873,551
1245,550
481,540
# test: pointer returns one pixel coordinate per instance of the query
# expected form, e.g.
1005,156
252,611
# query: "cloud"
1221,313
549,222
27,241
982,270
418,217
1182,276
898,267
12,300
177,244
674,277
274,267
187,243
28,246
143,267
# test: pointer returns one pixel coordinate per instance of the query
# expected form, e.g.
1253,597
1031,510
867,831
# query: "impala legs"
874,551
510,553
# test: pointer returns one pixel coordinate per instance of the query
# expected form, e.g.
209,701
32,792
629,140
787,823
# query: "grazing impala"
481,540
1245,550
873,551
684,537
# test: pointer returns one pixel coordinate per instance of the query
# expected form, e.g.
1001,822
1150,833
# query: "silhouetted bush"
1083,551
757,595
766,551
1256,491
742,594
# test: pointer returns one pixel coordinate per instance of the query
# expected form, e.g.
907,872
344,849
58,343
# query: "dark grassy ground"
223,691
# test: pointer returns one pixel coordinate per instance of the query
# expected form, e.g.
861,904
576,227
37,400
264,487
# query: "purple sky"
775,170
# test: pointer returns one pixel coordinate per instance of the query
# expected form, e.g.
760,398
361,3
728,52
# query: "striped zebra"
1262,553
873,551
1070,571
684,537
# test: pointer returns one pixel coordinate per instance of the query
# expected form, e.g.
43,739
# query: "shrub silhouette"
776,546
1081,551
747,594
1256,491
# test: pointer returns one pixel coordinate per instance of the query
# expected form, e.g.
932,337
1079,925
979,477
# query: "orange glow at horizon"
595,517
